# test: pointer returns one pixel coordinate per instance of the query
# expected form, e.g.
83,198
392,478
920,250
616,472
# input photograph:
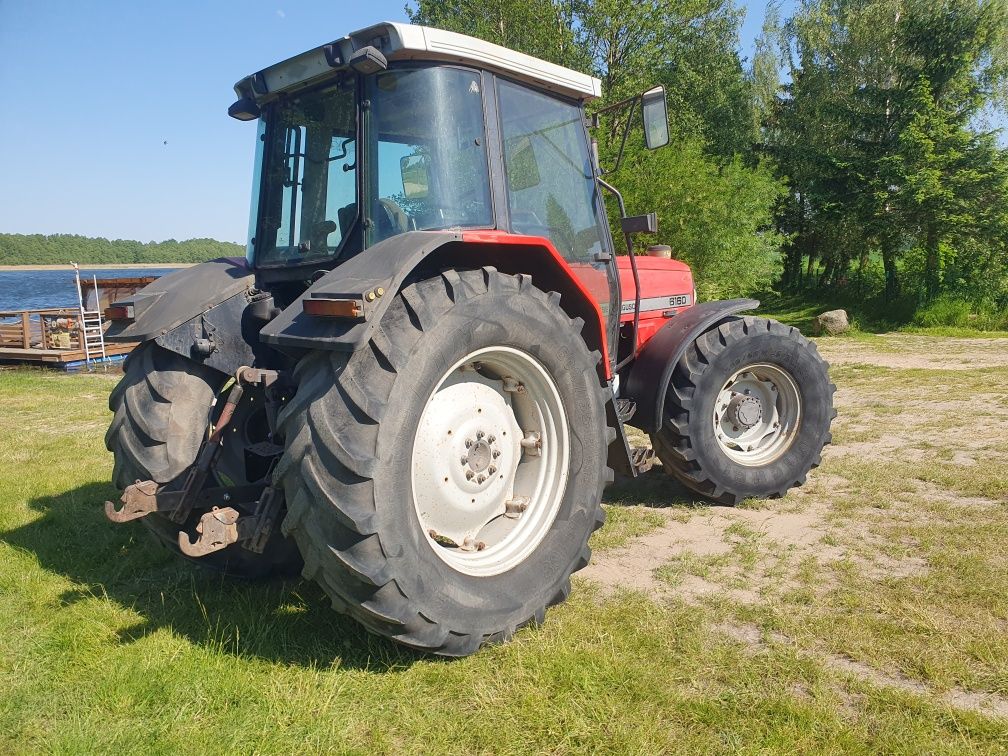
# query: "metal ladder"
92,332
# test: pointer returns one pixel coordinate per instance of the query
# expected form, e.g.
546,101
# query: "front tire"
747,413
386,472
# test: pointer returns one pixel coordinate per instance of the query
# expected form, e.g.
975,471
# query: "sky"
113,118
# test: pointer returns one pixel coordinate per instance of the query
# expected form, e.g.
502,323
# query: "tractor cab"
400,128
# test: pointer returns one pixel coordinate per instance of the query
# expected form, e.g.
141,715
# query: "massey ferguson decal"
658,303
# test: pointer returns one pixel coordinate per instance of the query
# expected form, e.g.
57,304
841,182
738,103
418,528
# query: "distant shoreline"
99,266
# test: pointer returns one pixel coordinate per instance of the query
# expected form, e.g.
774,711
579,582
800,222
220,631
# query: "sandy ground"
905,351
782,534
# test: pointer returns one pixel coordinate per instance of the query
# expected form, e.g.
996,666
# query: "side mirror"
655,114
415,177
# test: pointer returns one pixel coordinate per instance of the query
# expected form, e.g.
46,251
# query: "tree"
56,249
718,218
874,131
765,73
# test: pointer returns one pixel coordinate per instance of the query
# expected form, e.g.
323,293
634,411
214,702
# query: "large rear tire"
161,409
747,413
387,472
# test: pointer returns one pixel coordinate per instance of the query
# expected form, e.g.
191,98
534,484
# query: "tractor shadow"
288,621
654,489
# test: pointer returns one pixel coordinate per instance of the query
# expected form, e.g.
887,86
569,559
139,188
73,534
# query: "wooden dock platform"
32,337
67,359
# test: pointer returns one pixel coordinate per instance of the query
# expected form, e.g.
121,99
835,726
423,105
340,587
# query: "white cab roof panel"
425,42
399,41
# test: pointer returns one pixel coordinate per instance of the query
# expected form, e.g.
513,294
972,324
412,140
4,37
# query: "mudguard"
179,297
371,279
383,266
648,379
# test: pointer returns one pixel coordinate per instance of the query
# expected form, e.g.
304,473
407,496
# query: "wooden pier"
51,337
69,338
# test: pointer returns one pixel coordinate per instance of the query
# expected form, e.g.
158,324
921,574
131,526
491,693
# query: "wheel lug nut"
492,470
481,479
479,435
491,439
469,443
465,461
469,474
496,453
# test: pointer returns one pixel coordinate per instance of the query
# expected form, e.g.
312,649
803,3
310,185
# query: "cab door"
551,189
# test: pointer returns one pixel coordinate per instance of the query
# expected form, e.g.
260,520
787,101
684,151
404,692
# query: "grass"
868,321
110,644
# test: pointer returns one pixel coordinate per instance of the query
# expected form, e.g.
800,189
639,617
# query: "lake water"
35,289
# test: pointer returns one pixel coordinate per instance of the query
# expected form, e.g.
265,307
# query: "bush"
955,312
716,217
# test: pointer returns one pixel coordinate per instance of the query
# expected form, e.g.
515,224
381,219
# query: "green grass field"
866,612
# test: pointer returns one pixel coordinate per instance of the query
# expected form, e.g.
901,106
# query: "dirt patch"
905,351
855,511
715,532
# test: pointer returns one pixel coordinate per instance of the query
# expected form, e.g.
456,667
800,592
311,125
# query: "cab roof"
399,41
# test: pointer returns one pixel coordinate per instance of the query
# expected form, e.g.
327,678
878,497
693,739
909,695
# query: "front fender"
648,380
172,300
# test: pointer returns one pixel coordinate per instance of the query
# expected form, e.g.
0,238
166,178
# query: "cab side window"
547,165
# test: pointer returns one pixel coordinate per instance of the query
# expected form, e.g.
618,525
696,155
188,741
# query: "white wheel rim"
496,409
757,414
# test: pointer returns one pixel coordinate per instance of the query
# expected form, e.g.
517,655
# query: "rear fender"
372,278
177,298
648,378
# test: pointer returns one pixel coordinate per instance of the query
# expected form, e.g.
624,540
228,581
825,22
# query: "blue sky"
114,120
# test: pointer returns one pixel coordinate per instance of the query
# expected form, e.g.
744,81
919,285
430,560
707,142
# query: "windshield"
310,200
431,151
425,164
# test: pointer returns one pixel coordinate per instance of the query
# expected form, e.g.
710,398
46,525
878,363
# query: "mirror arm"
622,146
628,103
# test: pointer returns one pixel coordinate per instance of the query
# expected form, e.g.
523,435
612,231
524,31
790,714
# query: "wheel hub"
757,414
485,494
480,455
745,410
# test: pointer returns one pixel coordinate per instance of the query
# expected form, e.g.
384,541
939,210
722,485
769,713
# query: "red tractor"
414,388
